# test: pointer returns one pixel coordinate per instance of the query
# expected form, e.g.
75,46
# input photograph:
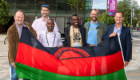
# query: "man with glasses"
39,24
94,29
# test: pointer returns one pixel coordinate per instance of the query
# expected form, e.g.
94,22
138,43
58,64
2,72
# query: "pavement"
132,70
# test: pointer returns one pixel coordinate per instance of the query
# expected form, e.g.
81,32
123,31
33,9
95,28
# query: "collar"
98,26
18,26
94,23
74,28
116,27
43,20
49,32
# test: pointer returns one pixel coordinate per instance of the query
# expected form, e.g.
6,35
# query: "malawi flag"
102,62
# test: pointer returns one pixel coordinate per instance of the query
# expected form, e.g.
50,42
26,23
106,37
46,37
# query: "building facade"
60,11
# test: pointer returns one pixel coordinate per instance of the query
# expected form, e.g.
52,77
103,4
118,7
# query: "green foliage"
4,12
110,19
125,6
78,6
135,21
137,14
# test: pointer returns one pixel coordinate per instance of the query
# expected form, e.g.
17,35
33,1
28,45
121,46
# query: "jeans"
14,74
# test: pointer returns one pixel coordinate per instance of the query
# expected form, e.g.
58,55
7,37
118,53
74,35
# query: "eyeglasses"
94,14
45,5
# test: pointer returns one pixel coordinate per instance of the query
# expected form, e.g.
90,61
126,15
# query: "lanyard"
76,35
53,39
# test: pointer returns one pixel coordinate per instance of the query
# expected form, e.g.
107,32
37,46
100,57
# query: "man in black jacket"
124,35
75,35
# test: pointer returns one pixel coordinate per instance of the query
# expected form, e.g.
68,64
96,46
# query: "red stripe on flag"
90,66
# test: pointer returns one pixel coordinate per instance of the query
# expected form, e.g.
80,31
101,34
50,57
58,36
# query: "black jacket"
125,38
67,36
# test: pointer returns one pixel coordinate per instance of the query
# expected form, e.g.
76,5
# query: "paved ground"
132,70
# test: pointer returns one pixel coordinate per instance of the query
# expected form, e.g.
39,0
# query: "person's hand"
26,26
113,34
13,64
126,63
60,46
37,38
92,45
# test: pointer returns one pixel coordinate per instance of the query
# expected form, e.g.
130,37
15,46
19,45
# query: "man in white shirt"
49,37
40,23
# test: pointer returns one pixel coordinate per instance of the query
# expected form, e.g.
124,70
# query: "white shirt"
48,39
39,25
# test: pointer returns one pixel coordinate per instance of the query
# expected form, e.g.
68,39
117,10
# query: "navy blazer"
67,36
125,38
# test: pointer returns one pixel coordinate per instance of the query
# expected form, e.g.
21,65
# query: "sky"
101,4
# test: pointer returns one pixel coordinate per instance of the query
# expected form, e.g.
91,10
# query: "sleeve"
32,30
106,35
55,27
59,40
85,42
40,38
105,27
11,45
66,36
34,24
128,46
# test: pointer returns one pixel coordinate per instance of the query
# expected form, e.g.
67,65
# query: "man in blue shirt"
92,34
94,29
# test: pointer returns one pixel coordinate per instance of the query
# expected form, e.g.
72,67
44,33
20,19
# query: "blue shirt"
117,31
92,34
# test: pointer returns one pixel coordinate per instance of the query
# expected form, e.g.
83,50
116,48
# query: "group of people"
76,35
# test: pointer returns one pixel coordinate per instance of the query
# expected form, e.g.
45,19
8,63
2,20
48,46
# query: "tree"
125,6
137,14
4,12
135,21
110,19
78,6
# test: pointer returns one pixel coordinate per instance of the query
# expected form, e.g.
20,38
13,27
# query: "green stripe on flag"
27,72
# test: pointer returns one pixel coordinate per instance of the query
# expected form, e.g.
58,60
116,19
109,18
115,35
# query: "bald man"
50,37
13,35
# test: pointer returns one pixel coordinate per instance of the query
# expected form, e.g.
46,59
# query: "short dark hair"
19,11
74,15
45,6
49,19
120,12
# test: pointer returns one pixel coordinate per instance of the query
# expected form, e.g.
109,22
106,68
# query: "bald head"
19,11
50,25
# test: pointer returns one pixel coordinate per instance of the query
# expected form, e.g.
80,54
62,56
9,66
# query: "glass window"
12,8
26,7
25,1
51,2
10,1
52,9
